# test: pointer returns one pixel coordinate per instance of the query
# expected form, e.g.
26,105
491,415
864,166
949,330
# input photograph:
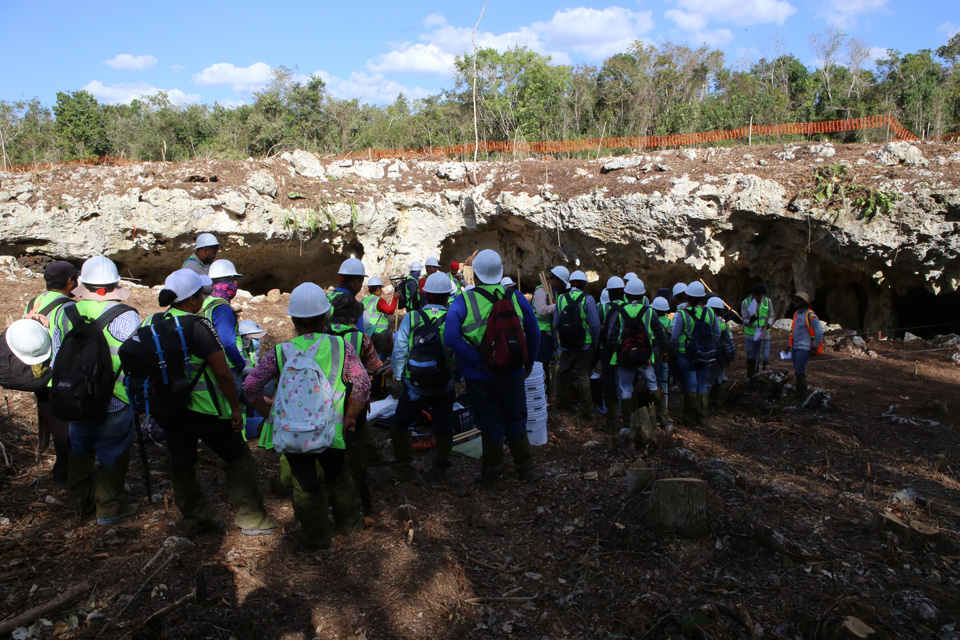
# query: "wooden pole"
750,133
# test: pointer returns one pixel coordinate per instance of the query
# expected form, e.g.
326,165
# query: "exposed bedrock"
719,215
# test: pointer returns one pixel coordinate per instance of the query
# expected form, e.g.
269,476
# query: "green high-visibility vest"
373,320
93,309
760,319
632,310
40,302
479,308
211,303
570,298
544,322
331,358
415,321
456,284
706,314
207,397
349,333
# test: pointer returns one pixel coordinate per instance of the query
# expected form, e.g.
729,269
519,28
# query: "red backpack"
503,346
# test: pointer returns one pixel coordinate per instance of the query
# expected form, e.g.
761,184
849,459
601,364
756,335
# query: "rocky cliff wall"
730,216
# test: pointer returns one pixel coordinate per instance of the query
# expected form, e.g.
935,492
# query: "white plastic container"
537,433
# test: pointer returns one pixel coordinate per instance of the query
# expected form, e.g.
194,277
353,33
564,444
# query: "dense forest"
520,96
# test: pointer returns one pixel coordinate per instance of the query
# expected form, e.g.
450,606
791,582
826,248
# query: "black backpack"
570,331
503,346
701,347
427,363
16,375
634,348
728,348
83,375
409,292
156,364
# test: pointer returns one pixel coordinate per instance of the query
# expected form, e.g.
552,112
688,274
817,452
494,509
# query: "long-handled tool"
144,463
729,308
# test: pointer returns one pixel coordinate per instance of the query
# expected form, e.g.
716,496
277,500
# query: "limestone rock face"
708,217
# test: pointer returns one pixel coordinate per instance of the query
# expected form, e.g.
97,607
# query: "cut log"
639,479
643,425
912,531
679,505
27,617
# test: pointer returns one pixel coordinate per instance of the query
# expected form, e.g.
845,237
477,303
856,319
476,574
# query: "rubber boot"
441,460
491,461
703,405
611,398
663,414
401,469
627,407
564,396
81,474
310,510
286,476
193,505
691,409
801,387
751,368
522,455
113,503
715,395
372,455
766,365
244,492
345,501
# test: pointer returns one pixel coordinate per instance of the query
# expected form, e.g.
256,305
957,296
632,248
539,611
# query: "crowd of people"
196,369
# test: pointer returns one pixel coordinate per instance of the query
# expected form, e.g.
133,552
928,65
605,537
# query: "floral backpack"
306,405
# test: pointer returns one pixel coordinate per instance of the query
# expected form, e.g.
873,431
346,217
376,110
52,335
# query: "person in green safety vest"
557,281
758,315
212,415
636,306
250,336
696,400
661,307
718,373
105,441
408,289
216,308
376,322
61,278
577,360
427,386
204,254
608,371
456,277
313,498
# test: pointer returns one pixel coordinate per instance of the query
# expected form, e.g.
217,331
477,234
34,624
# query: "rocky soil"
794,548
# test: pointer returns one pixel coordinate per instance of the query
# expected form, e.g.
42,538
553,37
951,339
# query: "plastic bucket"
537,433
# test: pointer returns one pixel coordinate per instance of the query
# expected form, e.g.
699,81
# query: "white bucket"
534,415
537,433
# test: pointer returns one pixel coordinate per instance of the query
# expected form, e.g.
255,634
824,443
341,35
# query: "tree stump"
679,505
643,425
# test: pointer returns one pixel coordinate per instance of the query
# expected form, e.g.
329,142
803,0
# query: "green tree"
79,124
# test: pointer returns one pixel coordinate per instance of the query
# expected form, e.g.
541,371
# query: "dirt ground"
792,551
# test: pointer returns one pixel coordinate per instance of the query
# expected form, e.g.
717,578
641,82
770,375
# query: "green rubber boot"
193,505
441,458
286,476
715,396
751,368
244,492
491,462
628,407
345,501
522,455
81,476
372,455
691,409
113,503
310,510
401,469
663,414
611,398
801,387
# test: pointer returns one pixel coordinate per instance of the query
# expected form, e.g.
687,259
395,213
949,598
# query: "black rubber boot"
716,395
193,505
564,395
611,398
627,407
691,409
401,469
310,510
522,454
113,503
345,501
801,387
491,462
441,460
751,368
244,491
663,414
81,475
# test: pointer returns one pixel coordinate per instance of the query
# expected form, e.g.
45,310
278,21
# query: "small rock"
590,444
452,171
51,500
823,150
273,295
909,337
617,469
761,162
158,497
894,153
905,498
4,521
258,299
263,183
591,475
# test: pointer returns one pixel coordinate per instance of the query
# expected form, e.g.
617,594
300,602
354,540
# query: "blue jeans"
800,358
626,376
109,437
754,348
499,407
547,347
694,380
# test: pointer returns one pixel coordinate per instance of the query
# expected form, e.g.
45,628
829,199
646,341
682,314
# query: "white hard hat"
29,341
433,262
374,281
630,276
223,269
99,270
679,288
416,266
185,283
579,276
616,282
716,303
308,300
487,267
207,240
604,296
695,290
561,272
437,283
635,287
660,304
351,267
507,281
251,328
469,287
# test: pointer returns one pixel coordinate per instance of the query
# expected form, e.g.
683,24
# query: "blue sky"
224,51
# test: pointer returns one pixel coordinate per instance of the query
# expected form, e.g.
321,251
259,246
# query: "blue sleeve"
453,337
225,323
531,329
818,332
401,348
593,319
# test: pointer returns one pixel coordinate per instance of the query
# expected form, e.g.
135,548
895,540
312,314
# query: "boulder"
263,183
306,164
894,153
362,168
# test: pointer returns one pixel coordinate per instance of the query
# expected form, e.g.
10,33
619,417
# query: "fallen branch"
29,616
170,607
508,600
145,582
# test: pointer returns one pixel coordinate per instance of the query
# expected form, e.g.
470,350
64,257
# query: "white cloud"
177,68
712,37
948,29
241,79
434,20
877,53
125,92
416,58
739,12
594,33
843,13
233,104
128,62
368,88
